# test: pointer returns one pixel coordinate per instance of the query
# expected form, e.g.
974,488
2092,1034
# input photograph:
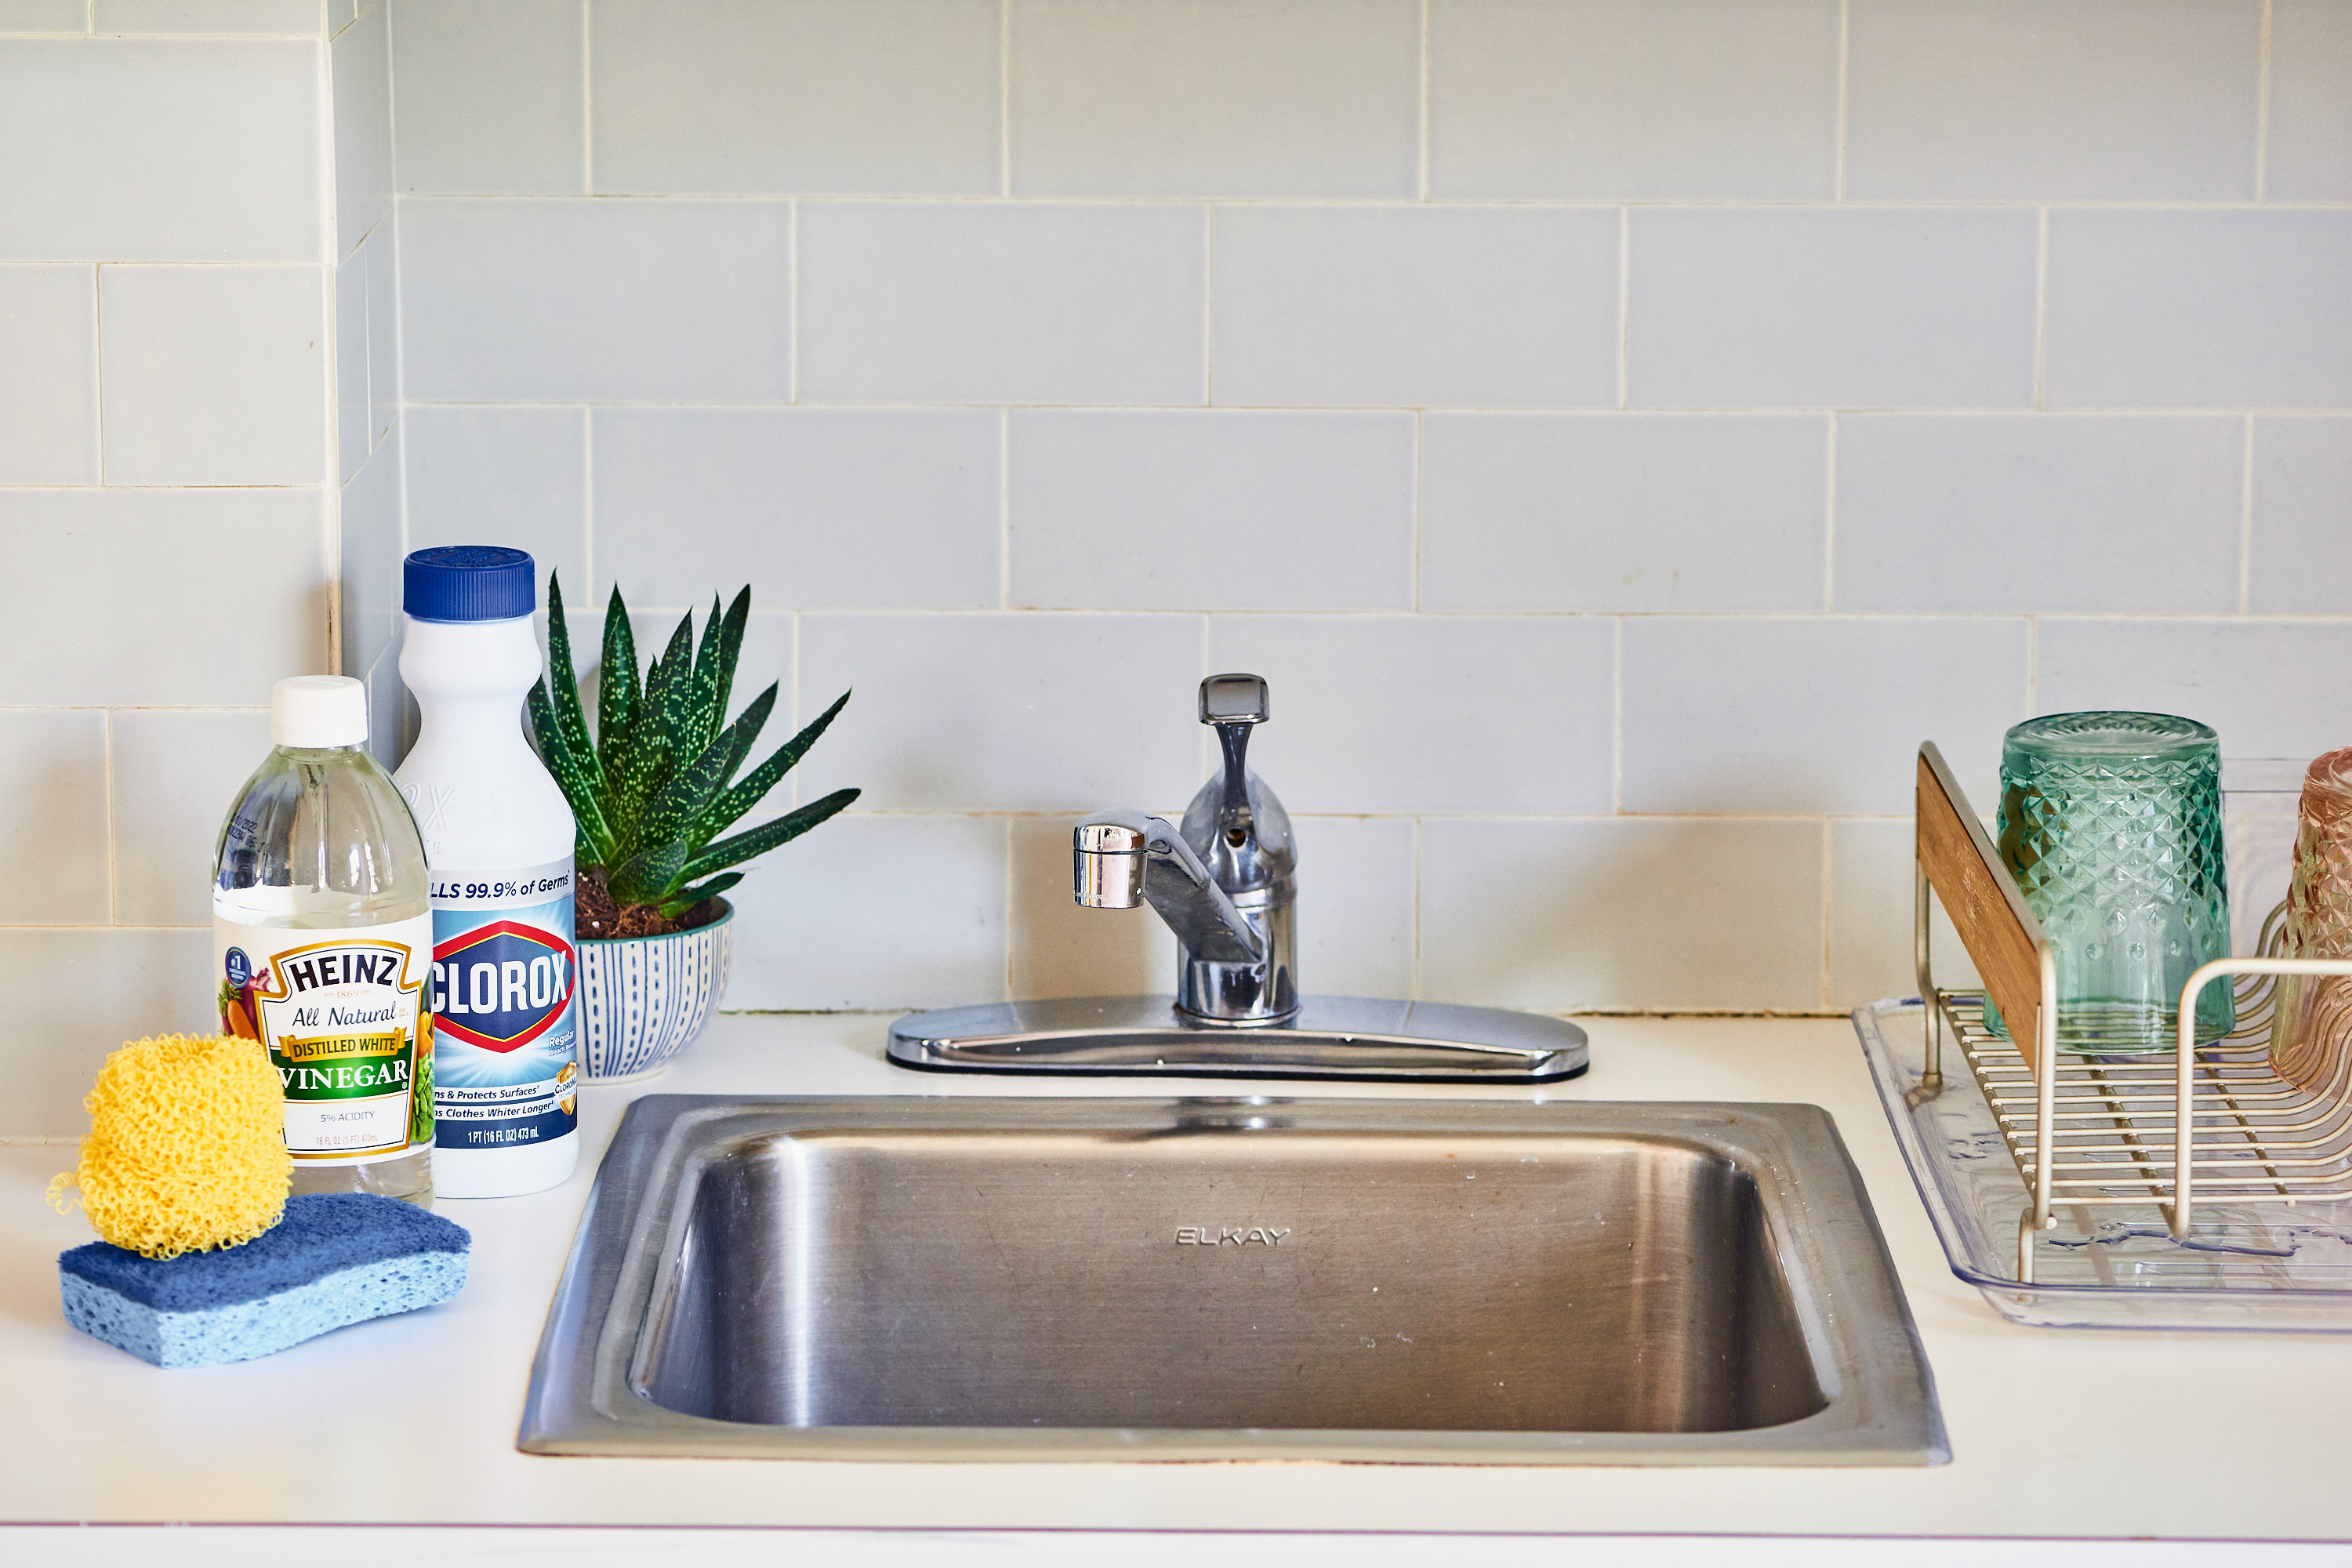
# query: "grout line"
799,680
1624,307
1005,510
1829,507
2263,113
1421,182
1420,475
1004,98
1617,718
2246,526
587,100
1010,908
2042,311
1829,852
1844,53
113,913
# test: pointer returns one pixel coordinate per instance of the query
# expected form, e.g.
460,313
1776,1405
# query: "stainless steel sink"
1386,1279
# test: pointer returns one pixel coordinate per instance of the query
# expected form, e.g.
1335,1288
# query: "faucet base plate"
1359,1037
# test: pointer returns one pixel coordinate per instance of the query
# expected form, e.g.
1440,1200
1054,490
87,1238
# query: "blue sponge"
335,1258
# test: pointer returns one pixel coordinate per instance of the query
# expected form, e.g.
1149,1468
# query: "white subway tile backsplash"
970,303
1211,509
82,993
2200,310
2301,549
175,777
2310,145
48,375
491,97
1871,894
44,15
825,922
1060,949
897,509
1816,308
353,412
1602,99
213,376
285,18
2028,512
53,809
222,592
362,67
2273,689
1812,715
1358,905
516,477
1345,306
192,150
556,302
1215,98
1404,713
1622,511
1002,712
796,95
1558,915
2018,99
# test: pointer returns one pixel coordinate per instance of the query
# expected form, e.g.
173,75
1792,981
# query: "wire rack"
2105,1131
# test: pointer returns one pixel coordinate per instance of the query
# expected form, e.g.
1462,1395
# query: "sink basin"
1444,1281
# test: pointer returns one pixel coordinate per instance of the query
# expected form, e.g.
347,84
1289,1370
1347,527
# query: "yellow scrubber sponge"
186,1149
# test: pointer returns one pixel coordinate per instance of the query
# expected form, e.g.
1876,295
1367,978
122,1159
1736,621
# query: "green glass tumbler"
2111,823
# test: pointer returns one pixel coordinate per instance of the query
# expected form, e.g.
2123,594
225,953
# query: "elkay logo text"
1229,1235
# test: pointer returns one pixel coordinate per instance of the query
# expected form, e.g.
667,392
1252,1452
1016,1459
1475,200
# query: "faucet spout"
1123,858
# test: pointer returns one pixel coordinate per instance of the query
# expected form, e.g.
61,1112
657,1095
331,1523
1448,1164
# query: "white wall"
1621,431
166,441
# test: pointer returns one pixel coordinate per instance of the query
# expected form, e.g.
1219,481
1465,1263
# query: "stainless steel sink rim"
586,1395
1362,1038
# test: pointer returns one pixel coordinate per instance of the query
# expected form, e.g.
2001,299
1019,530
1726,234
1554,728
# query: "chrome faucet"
1224,883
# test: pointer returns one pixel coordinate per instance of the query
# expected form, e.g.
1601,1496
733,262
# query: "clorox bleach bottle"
498,841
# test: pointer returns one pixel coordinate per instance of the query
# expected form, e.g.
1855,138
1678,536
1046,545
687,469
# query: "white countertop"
412,1419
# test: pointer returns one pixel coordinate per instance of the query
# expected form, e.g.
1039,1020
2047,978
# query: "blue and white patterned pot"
644,998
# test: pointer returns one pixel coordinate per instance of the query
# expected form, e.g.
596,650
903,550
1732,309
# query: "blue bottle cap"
469,582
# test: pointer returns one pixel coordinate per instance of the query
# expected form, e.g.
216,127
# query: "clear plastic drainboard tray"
2251,1268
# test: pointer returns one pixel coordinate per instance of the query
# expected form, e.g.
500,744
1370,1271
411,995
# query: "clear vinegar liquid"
321,841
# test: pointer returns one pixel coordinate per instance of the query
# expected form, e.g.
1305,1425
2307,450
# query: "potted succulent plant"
651,791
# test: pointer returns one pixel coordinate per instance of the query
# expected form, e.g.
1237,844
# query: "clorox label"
505,1040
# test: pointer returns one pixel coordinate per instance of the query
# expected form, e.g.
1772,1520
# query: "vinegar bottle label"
505,1049
339,1013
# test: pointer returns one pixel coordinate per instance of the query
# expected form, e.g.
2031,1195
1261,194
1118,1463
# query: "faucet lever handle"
1234,699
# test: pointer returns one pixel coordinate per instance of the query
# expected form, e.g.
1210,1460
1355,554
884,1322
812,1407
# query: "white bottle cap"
312,710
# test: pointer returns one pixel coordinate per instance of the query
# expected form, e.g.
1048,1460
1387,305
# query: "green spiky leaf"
650,752
758,840
570,728
649,877
686,899
689,791
730,806
618,694
570,777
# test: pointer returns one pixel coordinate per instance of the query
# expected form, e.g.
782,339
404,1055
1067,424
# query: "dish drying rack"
2105,1133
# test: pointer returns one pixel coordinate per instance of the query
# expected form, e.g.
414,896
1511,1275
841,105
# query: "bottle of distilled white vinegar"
499,839
323,945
